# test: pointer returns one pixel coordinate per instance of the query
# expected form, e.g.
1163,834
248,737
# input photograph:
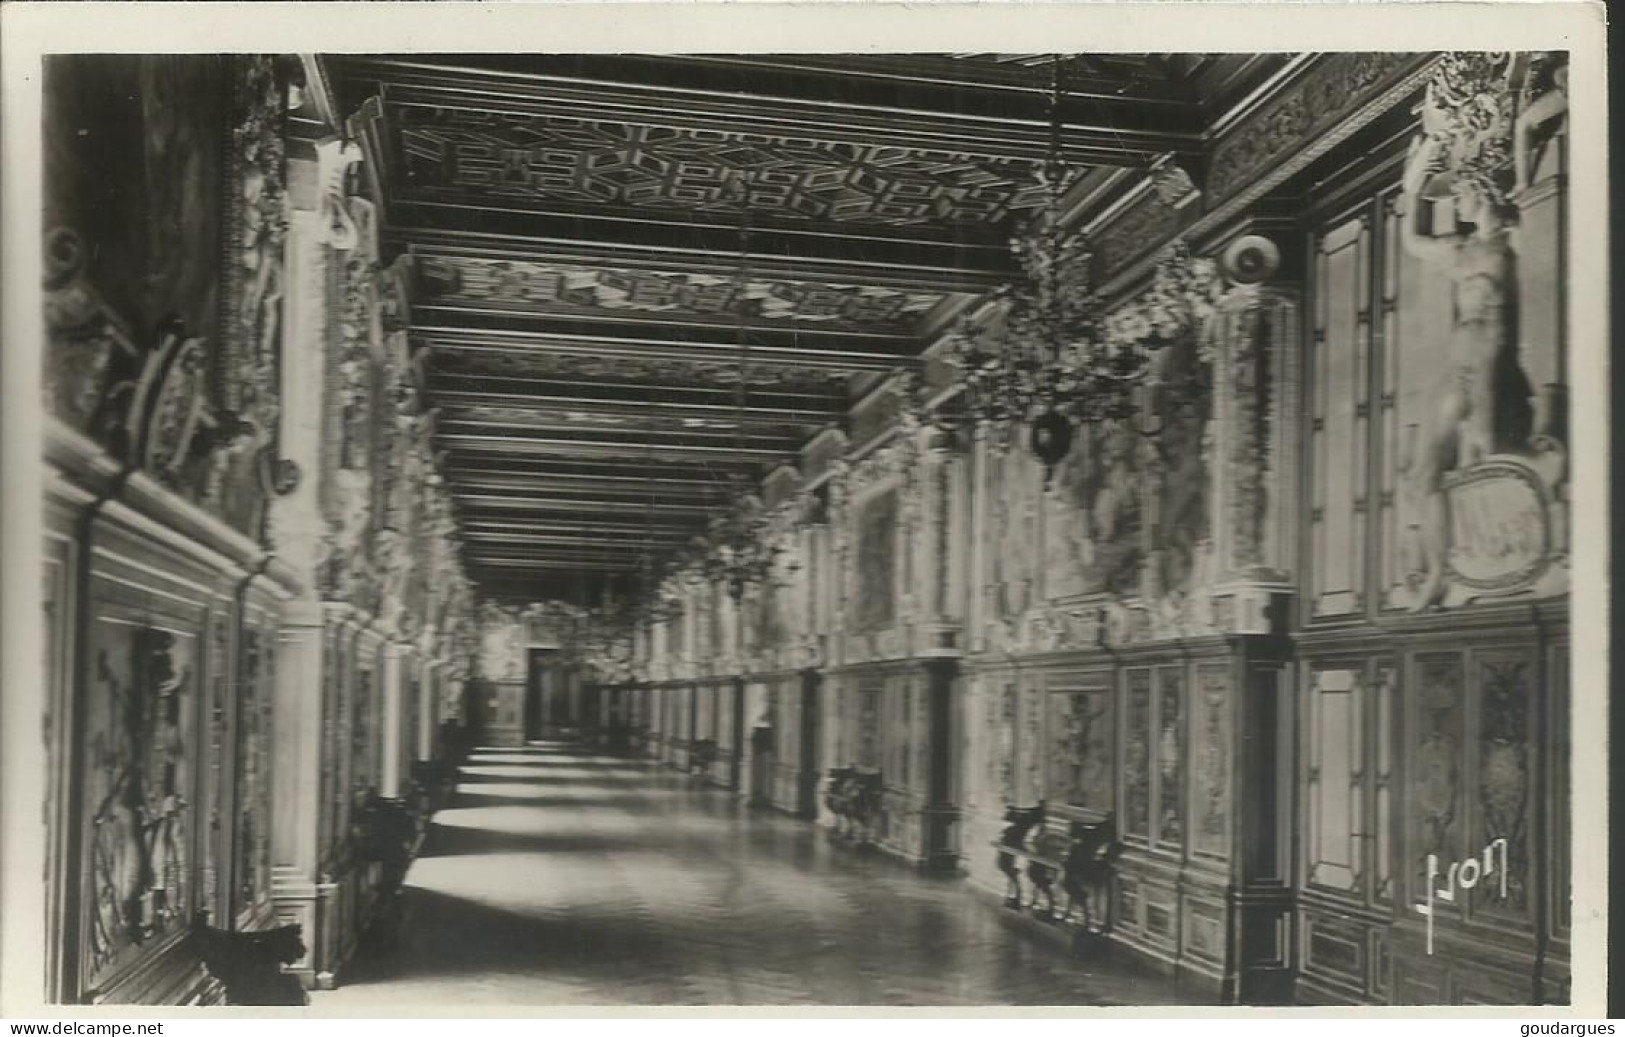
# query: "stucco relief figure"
335,158
1483,399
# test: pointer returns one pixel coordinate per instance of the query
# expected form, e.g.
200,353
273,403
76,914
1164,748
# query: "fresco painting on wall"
1181,466
1094,514
1012,482
876,606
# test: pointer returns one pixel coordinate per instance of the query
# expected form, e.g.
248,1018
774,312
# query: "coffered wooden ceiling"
606,246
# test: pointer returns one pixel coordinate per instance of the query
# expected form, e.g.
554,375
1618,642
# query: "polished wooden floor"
558,877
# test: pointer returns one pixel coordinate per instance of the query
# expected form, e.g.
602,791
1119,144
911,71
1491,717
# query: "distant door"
763,751
538,689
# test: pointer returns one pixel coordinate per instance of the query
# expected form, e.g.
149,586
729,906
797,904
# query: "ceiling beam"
654,532
771,95
637,440
550,544
561,564
687,493
648,481
634,468
852,356
915,258
658,334
721,409
631,453
563,506
677,241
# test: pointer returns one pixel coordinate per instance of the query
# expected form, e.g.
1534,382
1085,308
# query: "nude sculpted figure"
1483,402
1482,265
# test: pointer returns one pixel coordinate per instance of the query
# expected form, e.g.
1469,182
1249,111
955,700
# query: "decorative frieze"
1334,86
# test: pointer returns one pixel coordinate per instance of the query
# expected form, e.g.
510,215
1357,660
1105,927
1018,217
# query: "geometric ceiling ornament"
599,162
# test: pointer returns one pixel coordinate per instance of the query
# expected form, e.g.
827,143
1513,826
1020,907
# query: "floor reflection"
559,878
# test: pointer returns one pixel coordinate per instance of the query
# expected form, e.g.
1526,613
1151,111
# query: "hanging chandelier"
738,549
1044,358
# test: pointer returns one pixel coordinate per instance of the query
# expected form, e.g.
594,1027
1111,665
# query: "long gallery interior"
867,529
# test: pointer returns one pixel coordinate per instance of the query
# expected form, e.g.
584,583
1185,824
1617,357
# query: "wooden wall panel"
1171,769
1435,764
1339,417
1137,757
1080,756
1211,761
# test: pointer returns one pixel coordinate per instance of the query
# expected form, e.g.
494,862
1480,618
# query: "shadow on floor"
640,888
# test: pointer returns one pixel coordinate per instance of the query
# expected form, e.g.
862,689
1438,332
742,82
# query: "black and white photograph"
944,519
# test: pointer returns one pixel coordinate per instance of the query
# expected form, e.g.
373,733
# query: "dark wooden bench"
249,964
1081,858
853,796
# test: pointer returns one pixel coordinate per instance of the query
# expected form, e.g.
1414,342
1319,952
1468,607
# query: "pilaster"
397,659
297,777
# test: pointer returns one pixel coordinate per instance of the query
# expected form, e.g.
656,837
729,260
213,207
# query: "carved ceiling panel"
598,163
554,288
539,364
554,417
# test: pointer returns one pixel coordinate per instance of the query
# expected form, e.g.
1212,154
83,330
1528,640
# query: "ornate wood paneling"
1503,788
1080,754
1204,936
1212,762
1335,778
1436,763
144,759
1314,104
1137,756
1171,768
1334,952
1388,708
